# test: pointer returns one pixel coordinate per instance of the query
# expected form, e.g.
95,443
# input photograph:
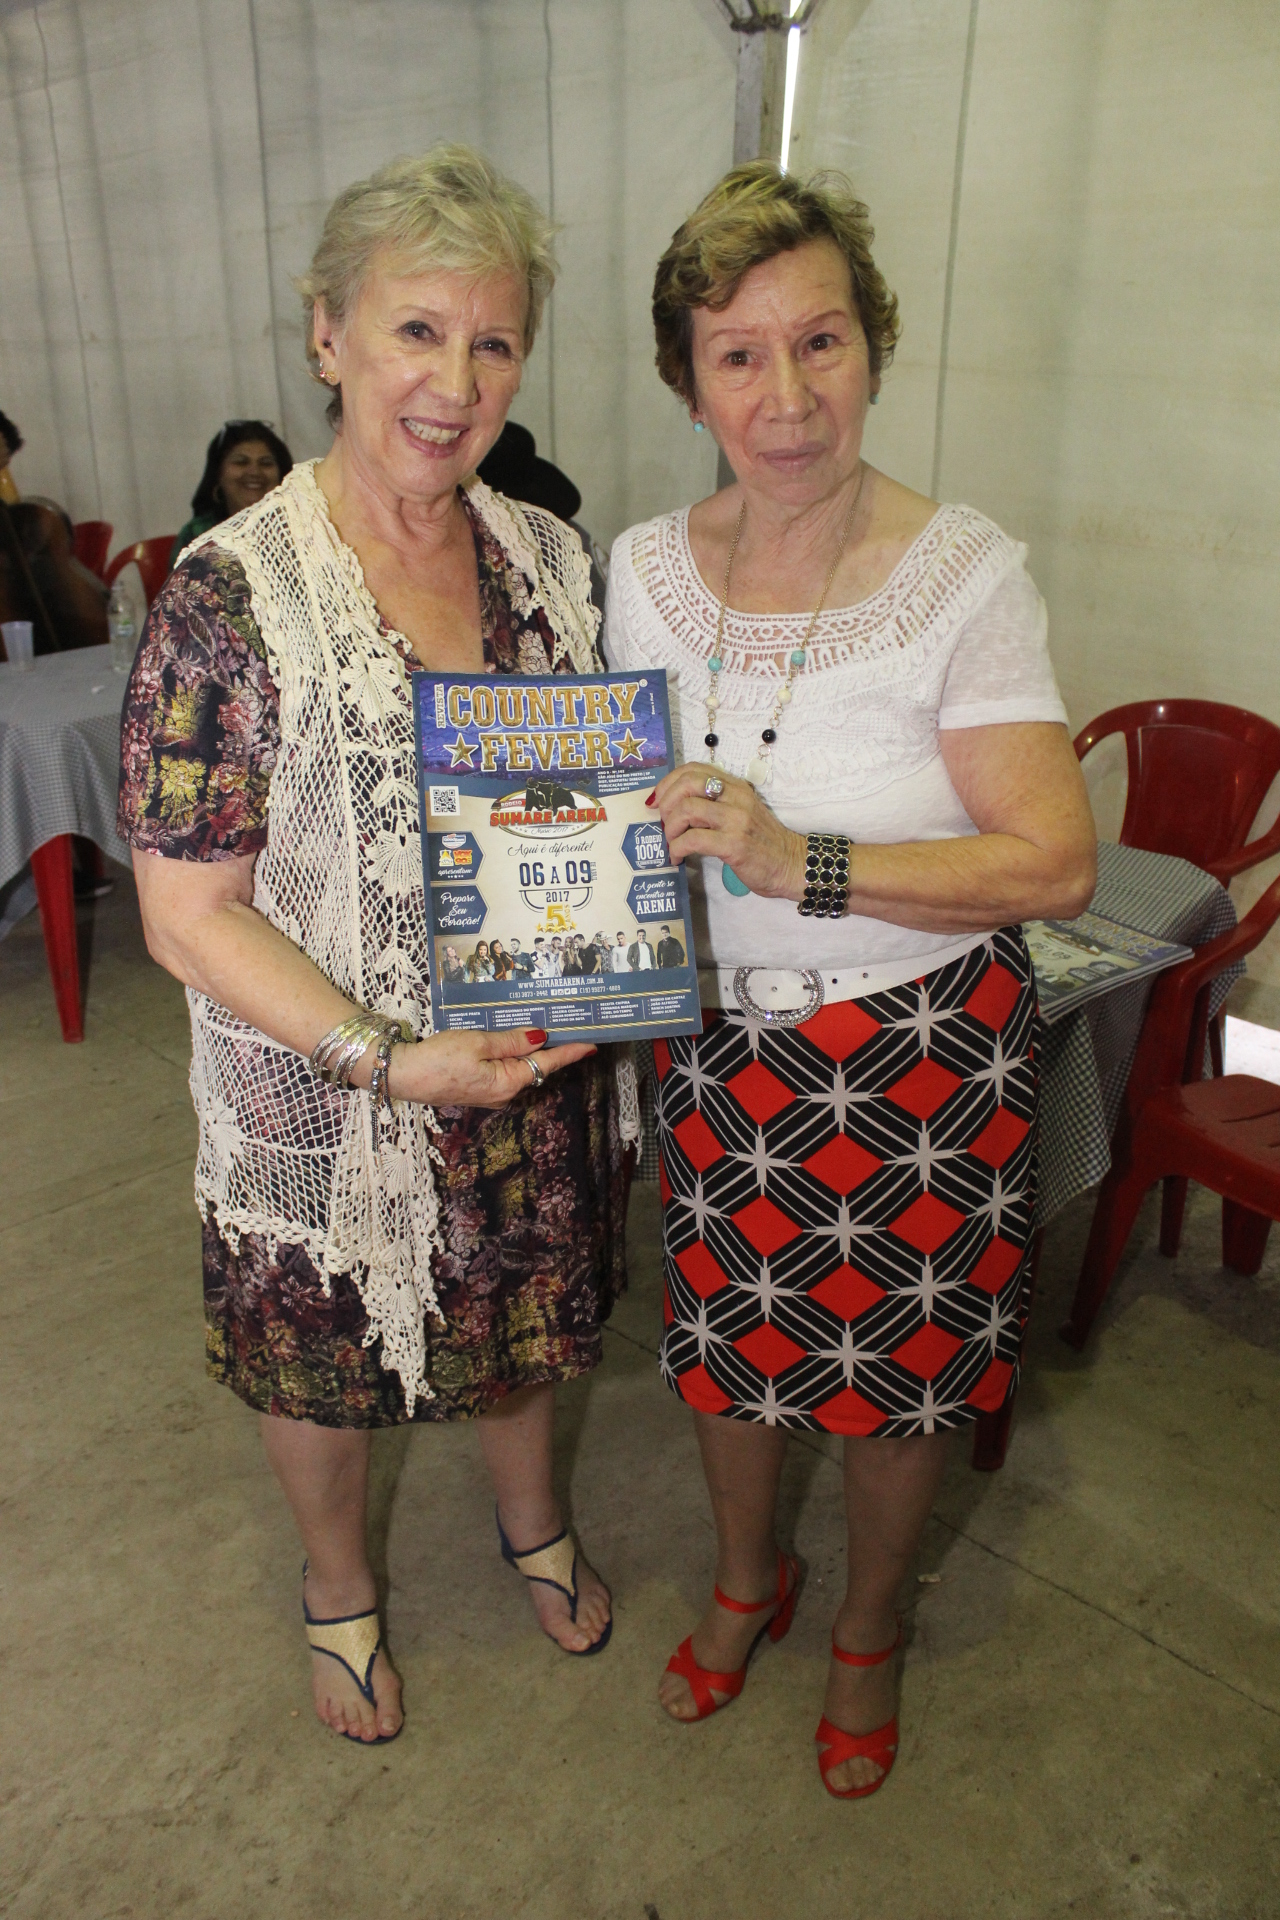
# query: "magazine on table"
551,898
1075,960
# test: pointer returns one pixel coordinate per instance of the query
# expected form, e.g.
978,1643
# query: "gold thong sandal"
353,1640
554,1564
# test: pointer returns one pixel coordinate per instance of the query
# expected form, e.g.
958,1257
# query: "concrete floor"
1091,1705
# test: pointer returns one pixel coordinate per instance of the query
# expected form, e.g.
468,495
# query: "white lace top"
956,637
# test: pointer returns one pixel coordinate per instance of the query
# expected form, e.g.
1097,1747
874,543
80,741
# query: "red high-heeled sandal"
702,1679
835,1746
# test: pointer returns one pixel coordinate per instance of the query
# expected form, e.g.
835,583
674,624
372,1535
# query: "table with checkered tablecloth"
59,754
1086,1056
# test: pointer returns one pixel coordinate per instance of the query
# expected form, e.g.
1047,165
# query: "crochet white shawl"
282,1154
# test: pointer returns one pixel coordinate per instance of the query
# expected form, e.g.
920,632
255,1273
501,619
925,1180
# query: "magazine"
551,898
1075,960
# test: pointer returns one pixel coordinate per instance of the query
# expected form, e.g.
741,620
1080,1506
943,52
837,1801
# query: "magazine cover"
551,898
1075,960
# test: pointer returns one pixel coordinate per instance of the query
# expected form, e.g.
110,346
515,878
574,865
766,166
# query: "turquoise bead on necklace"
760,768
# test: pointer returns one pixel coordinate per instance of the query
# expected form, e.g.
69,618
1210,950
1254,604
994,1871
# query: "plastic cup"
19,643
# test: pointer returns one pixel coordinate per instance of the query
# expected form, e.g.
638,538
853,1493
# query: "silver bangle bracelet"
337,1053
340,1068
336,1056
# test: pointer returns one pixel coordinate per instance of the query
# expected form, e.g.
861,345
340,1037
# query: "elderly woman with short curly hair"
399,1224
872,736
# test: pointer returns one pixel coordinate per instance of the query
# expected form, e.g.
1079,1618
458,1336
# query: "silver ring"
538,1075
713,787
779,1016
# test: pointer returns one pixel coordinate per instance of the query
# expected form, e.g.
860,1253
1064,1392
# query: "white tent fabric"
164,172
1083,198
1077,206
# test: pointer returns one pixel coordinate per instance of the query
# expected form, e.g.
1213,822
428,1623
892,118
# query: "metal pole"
762,27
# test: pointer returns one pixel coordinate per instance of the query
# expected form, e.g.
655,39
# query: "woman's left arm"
1033,857
1035,853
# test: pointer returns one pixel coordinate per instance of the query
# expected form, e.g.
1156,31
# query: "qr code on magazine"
444,800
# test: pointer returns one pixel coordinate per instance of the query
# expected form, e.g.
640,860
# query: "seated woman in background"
74,599
881,784
37,557
10,441
244,460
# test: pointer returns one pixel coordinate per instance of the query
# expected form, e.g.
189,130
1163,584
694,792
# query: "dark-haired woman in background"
10,441
39,572
244,460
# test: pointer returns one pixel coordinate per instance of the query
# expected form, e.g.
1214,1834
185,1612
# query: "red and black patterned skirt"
848,1204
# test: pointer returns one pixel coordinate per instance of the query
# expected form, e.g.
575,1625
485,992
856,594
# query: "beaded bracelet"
826,876
380,1085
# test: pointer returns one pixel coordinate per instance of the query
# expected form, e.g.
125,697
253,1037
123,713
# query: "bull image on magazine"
551,897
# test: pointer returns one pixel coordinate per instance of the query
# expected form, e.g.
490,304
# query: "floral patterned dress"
532,1198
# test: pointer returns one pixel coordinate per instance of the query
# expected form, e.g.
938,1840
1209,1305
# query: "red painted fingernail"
652,797
536,1035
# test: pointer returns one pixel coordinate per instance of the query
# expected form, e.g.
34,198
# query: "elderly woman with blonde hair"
399,1224
874,743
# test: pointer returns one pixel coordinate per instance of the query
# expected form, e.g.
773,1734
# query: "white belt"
784,996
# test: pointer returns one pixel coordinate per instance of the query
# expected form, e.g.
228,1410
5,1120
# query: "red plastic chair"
1198,773
91,543
1174,1126
152,557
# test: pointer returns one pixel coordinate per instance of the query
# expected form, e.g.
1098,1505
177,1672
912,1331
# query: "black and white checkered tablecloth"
59,754
1087,1056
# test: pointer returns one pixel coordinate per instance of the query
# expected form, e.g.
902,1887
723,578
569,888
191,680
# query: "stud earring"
699,426
875,400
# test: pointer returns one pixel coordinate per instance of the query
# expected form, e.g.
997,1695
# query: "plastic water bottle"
122,627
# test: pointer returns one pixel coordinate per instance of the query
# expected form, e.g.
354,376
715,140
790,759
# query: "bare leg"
889,1488
516,1439
324,1474
743,1465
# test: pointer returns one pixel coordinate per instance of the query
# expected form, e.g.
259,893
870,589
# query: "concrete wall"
1110,390
164,173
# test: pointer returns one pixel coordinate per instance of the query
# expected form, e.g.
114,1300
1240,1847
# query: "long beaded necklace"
760,767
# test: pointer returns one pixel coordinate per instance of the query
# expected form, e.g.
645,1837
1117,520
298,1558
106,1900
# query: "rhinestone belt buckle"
779,1016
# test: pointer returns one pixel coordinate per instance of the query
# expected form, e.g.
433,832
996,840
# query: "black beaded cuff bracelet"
826,876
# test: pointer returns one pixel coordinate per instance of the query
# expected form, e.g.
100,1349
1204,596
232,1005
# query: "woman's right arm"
202,927
199,739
